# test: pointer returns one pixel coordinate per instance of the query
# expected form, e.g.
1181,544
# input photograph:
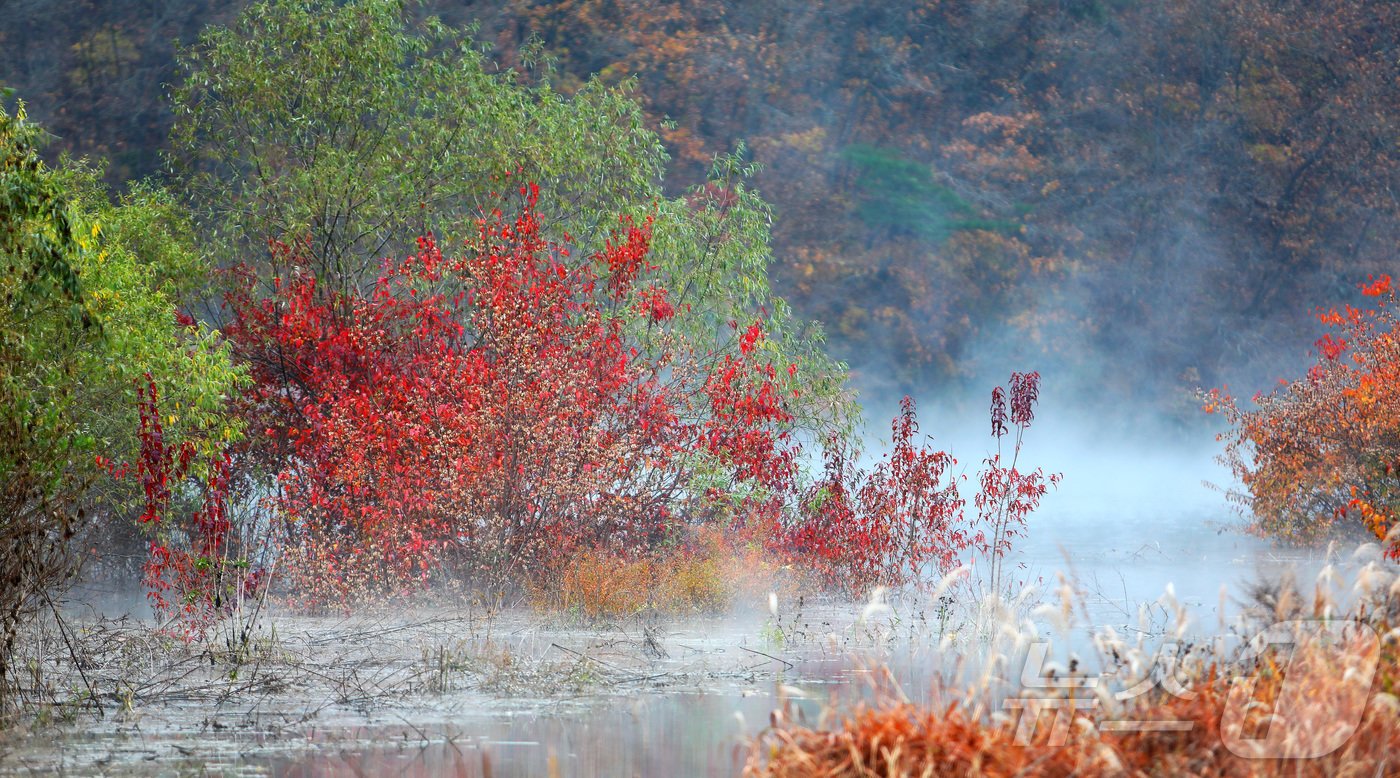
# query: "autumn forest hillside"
1154,195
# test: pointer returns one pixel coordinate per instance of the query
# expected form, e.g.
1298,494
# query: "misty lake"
662,697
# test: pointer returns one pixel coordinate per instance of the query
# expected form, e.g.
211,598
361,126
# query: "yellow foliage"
709,575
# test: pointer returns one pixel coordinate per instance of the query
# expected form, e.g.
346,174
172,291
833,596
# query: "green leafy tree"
347,131
88,291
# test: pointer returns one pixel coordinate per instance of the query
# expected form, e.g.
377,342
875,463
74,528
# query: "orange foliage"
1322,453
902,739
708,573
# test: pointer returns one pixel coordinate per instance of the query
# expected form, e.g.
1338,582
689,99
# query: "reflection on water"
652,734
665,731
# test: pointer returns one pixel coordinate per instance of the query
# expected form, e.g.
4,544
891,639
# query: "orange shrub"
598,584
1323,453
706,575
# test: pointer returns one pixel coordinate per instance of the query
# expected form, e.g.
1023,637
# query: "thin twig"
589,658
63,631
790,665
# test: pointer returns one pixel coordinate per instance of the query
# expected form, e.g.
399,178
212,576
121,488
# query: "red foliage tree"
494,410
1006,495
905,518
885,526
193,571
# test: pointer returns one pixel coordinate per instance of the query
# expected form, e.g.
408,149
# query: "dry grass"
1253,711
598,584
706,575
901,739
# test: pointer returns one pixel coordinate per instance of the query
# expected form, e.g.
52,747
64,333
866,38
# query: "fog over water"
1135,516
1132,517
1142,504
1130,520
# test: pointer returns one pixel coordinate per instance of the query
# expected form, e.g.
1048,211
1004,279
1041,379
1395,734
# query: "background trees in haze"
1159,187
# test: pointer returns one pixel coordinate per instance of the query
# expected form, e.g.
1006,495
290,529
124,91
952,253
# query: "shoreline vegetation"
882,688
1304,683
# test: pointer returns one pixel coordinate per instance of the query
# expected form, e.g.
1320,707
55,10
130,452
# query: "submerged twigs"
298,679
789,665
350,637
582,655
